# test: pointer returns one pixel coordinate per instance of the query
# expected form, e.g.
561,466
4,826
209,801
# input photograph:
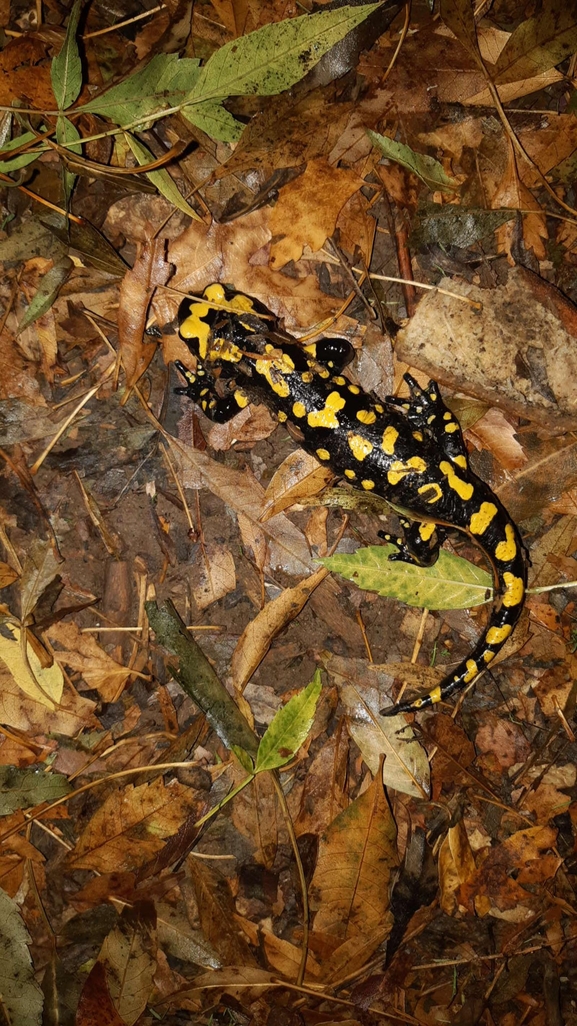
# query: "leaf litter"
287,851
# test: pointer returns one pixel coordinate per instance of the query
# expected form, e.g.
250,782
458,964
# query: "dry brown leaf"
128,956
248,426
512,192
280,954
239,252
82,652
456,865
493,890
214,575
323,795
308,208
350,888
479,351
216,911
297,478
130,826
256,815
28,714
494,432
150,269
258,636
95,1006
243,494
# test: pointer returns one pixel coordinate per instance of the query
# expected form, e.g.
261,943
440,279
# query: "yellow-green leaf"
452,583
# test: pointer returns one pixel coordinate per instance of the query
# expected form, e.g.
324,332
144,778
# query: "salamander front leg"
216,407
420,544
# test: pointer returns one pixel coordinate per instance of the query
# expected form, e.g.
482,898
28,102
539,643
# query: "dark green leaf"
66,70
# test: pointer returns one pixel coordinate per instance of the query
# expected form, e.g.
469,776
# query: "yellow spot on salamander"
434,488
488,656
472,671
368,485
359,446
497,635
323,373
482,518
281,416
223,349
435,694
274,368
215,293
397,472
461,461
350,474
390,436
327,417
514,590
448,415
339,380
418,436
450,428
195,328
354,389
378,407
323,454
299,409
311,349
242,399
307,377
426,530
366,416
417,463
506,550
463,488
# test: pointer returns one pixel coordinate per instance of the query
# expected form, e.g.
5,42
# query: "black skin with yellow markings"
411,452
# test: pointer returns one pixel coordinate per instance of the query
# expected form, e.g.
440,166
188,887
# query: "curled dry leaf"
258,636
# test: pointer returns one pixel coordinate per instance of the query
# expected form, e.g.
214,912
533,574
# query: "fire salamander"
410,452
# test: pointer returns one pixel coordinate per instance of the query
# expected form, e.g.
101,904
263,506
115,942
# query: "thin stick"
422,285
64,427
302,878
121,24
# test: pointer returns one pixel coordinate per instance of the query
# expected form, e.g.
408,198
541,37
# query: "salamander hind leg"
431,418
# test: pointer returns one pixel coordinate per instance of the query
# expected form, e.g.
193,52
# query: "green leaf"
244,758
68,134
198,679
66,70
458,16
426,168
21,997
21,788
22,159
450,225
48,290
163,83
538,43
166,185
289,729
276,56
211,117
452,583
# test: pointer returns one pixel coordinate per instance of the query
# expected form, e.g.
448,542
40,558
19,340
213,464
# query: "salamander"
410,452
